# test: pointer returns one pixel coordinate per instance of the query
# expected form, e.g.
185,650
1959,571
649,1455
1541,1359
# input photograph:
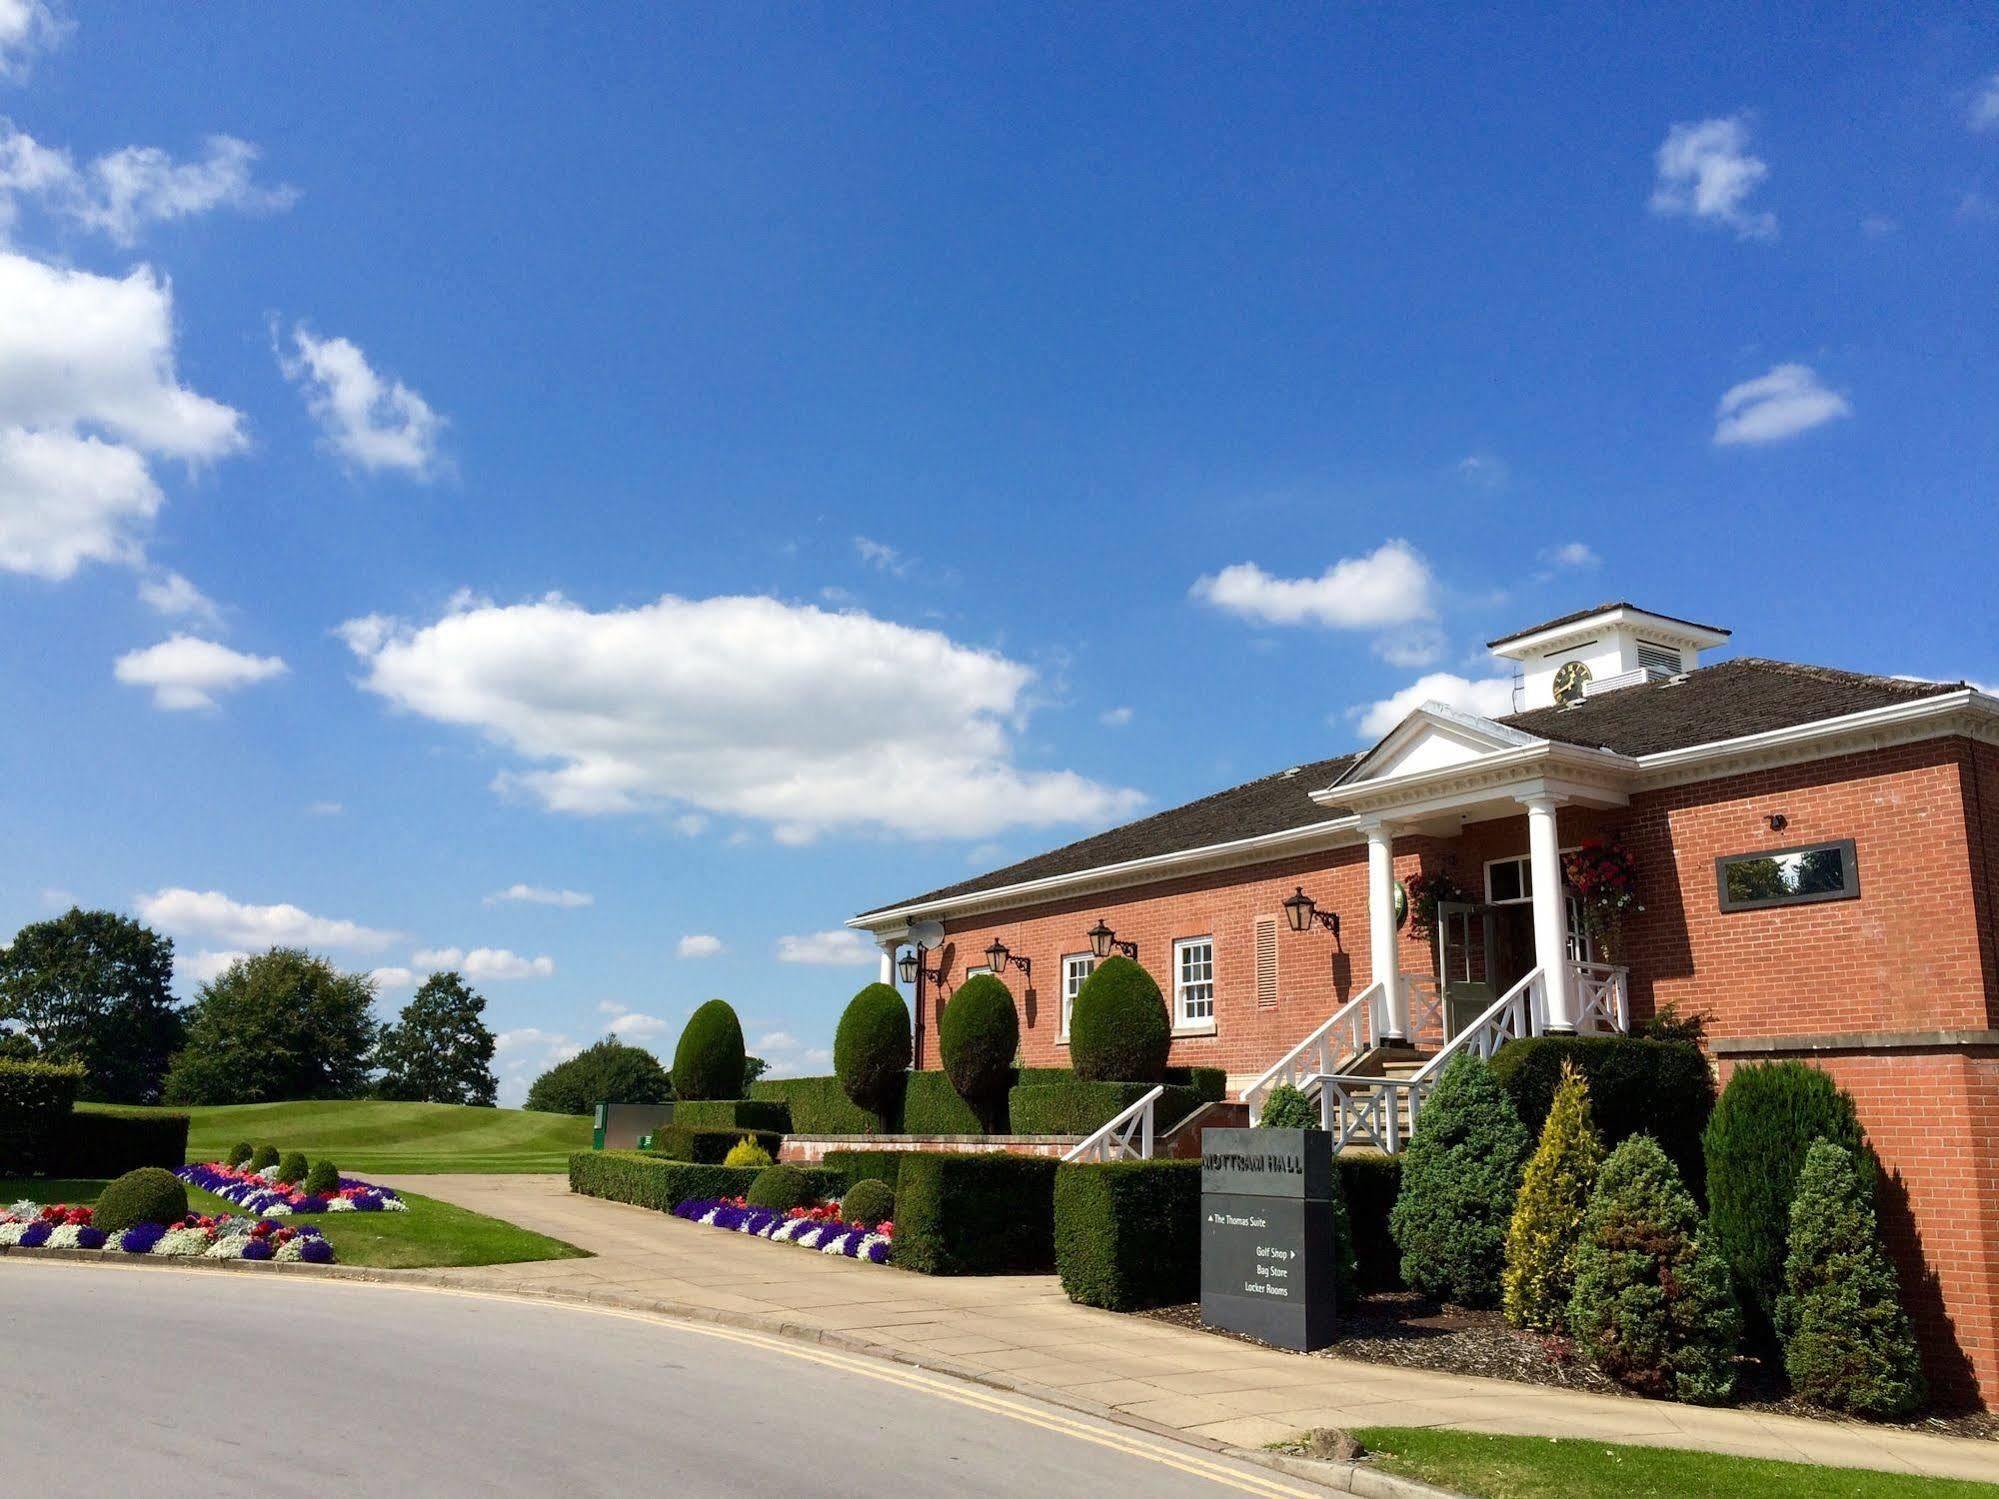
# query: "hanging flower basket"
1606,884
1428,890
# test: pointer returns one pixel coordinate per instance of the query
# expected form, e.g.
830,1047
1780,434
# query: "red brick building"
1814,854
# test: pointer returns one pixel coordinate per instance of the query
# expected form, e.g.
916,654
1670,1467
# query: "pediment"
1435,736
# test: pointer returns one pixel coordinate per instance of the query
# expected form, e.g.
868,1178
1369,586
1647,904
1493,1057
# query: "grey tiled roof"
1724,701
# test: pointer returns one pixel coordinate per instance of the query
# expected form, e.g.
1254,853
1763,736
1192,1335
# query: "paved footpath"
1021,1333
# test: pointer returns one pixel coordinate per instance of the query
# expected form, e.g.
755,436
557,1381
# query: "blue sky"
719,470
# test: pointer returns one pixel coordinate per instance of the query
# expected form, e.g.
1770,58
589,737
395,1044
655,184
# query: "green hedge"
112,1144
932,1107
1074,1107
820,1106
651,1181
767,1115
1370,1183
869,1165
35,1101
986,1214
1636,1087
1128,1233
707,1147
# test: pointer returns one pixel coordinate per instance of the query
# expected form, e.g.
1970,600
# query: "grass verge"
367,1138
431,1234
1506,1467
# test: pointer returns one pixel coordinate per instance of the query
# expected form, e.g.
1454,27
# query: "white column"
1551,913
888,947
1381,929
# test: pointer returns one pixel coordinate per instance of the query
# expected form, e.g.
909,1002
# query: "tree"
281,1025
709,1060
1847,1342
1119,1031
1459,1178
753,1068
978,1036
871,1047
95,987
1548,1218
608,1072
1652,1305
440,1051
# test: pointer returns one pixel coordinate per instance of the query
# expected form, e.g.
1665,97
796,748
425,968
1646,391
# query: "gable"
1435,737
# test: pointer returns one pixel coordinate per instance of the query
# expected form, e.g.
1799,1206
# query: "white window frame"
1582,948
972,973
1183,1023
1067,1003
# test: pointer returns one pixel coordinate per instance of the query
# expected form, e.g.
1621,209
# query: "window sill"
1061,1040
1204,1028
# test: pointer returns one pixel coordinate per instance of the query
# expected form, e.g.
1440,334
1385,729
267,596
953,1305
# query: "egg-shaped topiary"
779,1189
708,1062
871,1048
746,1155
292,1167
152,1194
977,1036
868,1203
323,1180
238,1153
1119,1031
262,1156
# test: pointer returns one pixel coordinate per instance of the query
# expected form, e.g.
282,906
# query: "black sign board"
1267,1234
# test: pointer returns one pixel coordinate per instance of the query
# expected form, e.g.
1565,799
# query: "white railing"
1127,1136
1348,1034
1364,1111
1602,995
1423,1001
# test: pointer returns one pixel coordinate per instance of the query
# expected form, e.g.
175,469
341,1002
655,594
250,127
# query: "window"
1508,882
1076,967
972,973
1194,984
1788,876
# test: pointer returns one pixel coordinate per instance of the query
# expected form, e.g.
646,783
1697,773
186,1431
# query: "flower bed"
31,1225
817,1228
262,1195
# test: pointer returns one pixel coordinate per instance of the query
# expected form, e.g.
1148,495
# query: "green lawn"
431,1233
1496,1467
366,1138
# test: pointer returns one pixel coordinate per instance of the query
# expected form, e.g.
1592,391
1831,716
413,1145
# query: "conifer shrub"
746,1154
869,1203
1288,1108
708,1061
292,1166
152,1194
1652,1304
1847,1341
1755,1145
238,1153
1548,1217
977,1036
779,1188
1119,1031
323,1180
872,1048
262,1156
1460,1176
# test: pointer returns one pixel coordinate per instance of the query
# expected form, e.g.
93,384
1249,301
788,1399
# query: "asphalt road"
165,1382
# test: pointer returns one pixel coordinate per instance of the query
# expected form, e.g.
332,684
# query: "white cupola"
1578,656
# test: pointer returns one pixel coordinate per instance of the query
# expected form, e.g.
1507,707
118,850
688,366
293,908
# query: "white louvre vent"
1266,962
1658,661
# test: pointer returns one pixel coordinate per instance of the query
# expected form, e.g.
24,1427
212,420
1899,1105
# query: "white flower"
341,1205
64,1236
394,1205
10,1233
278,1210
291,1249
27,1208
836,1245
226,1249
184,1241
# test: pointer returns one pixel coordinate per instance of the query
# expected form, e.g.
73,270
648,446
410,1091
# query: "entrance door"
1464,962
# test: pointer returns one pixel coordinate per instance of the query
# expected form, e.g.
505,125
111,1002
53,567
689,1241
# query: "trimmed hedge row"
651,1181
1637,1086
1074,1107
1128,1233
985,1214
820,1106
737,1114
1370,1183
931,1106
870,1165
113,1144
925,1103
708,1147
35,1101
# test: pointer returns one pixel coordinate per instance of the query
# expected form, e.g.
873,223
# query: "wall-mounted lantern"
1301,911
910,966
1103,940
997,957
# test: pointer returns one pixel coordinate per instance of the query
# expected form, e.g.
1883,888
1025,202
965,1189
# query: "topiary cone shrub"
1762,1127
977,1036
238,1153
1548,1216
152,1194
872,1048
1459,1179
869,1203
1287,1107
746,1154
1847,1341
708,1062
292,1166
1119,1031
322,1180
1652,1305
780,1189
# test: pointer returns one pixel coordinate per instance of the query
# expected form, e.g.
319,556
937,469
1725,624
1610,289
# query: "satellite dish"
927,935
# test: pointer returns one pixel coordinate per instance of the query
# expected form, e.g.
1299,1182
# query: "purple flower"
256,1249
141,1237
89,1238
36,1235
315,1251
308,1204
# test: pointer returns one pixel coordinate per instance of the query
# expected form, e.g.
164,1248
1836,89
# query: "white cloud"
88,393
26,27
1114,718
1876,225
1391,585
880,554
788,1058
1489,698
210,913
844,948
438,957
699,945
1984,111
1573,554
393,978
170,594
632,1023
1706,172
1788,400
1419,645
372,423
187,672
119,194
749,707
537,895
205,967
1485,470
496,963
522,1055
323,809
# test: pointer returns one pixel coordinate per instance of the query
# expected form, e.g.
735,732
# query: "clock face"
1570,680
